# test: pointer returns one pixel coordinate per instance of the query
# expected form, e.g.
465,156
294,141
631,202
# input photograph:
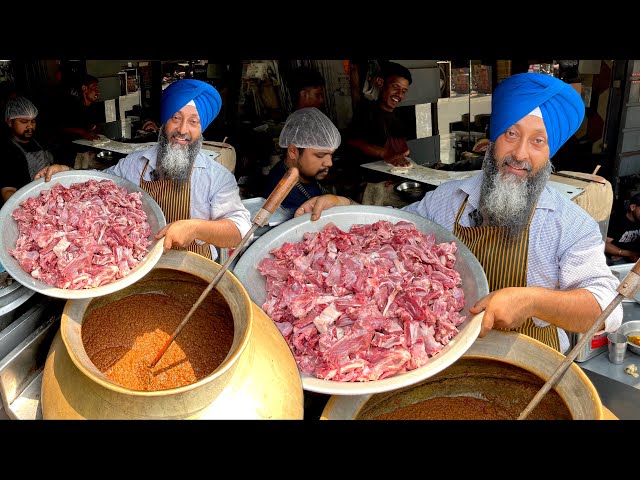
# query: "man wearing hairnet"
543,255
310,139
199,197
22,155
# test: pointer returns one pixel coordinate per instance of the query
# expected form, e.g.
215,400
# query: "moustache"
186,136
510,161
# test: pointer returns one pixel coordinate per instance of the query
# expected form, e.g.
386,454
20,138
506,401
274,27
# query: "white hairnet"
309,128
20,107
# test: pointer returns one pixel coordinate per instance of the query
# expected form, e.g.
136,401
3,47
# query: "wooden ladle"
279,193
627,288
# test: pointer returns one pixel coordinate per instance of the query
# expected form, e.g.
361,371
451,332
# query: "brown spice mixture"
123,337
449,408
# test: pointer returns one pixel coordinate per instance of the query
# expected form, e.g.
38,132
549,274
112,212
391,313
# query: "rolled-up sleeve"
215,196
579,260
226,203
584,266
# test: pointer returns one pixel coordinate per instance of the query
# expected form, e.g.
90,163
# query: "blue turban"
516,96
181,92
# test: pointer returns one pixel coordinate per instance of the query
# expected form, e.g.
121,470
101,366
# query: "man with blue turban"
199,197
543,255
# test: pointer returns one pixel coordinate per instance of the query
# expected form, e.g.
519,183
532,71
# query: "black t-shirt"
300,193
625,233
373,125
74,114
15,171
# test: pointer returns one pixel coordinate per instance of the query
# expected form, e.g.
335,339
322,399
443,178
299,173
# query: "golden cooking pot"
504,368
258,379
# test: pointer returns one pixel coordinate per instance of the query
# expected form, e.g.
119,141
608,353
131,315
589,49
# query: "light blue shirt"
566,249
214,190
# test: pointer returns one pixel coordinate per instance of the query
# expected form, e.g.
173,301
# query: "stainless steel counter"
619,391
432,176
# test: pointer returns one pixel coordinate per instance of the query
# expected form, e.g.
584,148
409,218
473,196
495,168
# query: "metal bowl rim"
455,348
8,226
403,186
633,326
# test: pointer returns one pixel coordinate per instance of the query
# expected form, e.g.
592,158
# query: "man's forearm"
571,310
367,148
221,233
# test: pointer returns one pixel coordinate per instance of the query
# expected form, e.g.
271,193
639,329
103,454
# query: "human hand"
48,172
397,159
179,234
316,205
90,135
505,308
150,126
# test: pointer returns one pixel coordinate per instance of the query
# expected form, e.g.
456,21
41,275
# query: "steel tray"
9,229
620,272
474,285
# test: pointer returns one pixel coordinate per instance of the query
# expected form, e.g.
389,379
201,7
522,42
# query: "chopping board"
422,174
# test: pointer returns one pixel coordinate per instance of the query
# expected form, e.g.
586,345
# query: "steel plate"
9,229
474,285
620,272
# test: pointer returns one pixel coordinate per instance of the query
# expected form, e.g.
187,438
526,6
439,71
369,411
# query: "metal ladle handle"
627,288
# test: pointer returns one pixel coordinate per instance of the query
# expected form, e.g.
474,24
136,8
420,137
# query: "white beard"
175,161
507,200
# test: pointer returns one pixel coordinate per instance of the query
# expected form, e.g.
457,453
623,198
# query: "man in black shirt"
623,236
307,88
22,155
376,133
78,119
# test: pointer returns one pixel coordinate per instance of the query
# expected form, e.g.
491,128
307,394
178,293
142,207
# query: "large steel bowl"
505,369
9,229
474,285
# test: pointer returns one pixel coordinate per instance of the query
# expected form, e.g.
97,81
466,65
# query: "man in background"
21,154
307,88
622,244
309,140
198,196
78,119
376,133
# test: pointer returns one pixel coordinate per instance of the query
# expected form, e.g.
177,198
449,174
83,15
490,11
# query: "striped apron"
505,264
175,201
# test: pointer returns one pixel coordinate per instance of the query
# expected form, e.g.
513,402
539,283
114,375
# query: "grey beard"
506,200
175,161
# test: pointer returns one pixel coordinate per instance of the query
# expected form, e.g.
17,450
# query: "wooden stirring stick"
627,288
282,189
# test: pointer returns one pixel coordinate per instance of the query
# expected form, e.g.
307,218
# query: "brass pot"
258,379
505,369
